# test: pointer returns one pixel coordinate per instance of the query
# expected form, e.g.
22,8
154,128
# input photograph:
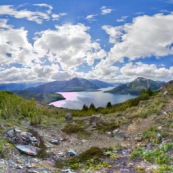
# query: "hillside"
136,86
134,136
40,97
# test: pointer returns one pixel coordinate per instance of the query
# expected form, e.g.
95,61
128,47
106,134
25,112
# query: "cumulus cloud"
70,45
146,36
57,53
102,71
146,70
54,55
19,60
36,16
14,45
105,10
114,33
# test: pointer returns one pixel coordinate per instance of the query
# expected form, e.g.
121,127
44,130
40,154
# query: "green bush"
72,128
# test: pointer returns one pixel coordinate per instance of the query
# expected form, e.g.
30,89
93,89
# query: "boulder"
68,117
16,136
28,149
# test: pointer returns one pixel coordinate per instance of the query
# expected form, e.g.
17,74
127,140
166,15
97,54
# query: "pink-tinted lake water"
76,100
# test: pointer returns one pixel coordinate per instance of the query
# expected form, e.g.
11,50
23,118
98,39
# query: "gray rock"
55,142
32,171
95,118
16,136
149,145
28,149
71,153
68,117
119,136
138,138
66,171
165,93
159,128
10,133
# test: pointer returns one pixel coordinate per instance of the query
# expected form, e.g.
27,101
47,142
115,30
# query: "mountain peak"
137,85
141,79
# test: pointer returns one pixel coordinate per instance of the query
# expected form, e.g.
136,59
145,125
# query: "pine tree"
109,105
92,106
85,108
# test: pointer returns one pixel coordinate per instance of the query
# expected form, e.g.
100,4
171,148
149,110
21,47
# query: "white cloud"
58,16
44,5
37,16
91,17
114,33
122,19
146,36
70,45
14,45
105,10
54,56
50,8
146,70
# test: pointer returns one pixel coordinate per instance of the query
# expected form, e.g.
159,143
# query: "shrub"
72,128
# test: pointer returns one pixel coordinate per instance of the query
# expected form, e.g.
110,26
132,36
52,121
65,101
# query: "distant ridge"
136,86
75,84
100,84
18,86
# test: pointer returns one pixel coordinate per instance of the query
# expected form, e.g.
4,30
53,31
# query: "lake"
76,100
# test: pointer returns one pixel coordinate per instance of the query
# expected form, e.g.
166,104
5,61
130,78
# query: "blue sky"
110,40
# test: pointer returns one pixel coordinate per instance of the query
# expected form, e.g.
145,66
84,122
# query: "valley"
133,136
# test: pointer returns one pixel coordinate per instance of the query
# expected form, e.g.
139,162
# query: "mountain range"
46,93
75,84
136,86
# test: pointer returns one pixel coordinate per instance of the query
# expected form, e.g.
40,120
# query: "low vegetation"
145,95
149,117
13,109
40,97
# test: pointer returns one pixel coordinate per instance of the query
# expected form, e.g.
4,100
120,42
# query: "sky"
108,40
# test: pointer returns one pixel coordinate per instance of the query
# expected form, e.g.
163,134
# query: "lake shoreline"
76,100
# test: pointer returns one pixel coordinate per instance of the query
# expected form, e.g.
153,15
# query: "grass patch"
92,158
159,155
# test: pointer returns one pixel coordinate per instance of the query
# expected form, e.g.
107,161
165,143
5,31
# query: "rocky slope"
137,139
